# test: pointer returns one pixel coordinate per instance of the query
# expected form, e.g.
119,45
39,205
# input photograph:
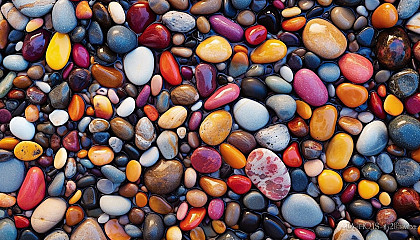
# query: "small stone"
275,138
304,205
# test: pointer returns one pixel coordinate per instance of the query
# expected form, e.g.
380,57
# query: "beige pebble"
203,24
306,4
60,158
324,3
174,233
173,118
181,52
48,214
190,177
35,72
291,12
313,167
179,4
178,39
117,12
206,7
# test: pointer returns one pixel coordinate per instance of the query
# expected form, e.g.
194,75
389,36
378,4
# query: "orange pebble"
76,108
133,170
294,24
351,174
8,143
103,107
90,111
115,231
382,90
385,16
240,48
32,113
6,200
393,106
352,95
100,155
83,10
141,199
151,112
82,153
232,156
416,155
303,109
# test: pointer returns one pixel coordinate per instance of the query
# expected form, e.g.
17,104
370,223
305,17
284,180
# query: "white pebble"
348,112
197,106
19,46
43,86
286,73
60,158
181,131
365,117
331,90
126,107
117,12
149,157
58,117
22,128
103,218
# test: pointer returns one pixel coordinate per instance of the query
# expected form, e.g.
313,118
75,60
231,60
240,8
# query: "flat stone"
297,206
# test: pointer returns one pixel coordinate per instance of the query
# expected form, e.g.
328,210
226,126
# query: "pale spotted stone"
268,172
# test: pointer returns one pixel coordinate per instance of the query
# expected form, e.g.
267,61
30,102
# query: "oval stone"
324,39
251,122
310,88
323,122
58,51
206,160
268,172
297,207
214,49
139,65
405,132
373,139
216,127
48,214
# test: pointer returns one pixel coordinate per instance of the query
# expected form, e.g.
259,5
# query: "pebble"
48,214
404,83
275,138
157,179
374,132
263,163
178,21
405,131
250,122
407,172
21,128
121,39
8,229
114,205
88,227
306,81
214,49
145,67
15,63
344,230
304,205
64,16
283,105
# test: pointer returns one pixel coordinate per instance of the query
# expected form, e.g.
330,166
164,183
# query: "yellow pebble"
330,182
60,158
58,51
133,170
174,233
393,106
339,151
218,226
34,24
214,49
27,150
76,197
367,189
384,198
216,127
303,109
270,51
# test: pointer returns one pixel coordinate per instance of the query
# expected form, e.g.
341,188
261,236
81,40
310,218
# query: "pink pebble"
80,55
222,96
182,211
304,234
216,208
156,84
412,104
310,88
113,97
67,70
278,4
375,203
355,67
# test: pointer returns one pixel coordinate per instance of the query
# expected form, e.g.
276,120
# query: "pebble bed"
210,119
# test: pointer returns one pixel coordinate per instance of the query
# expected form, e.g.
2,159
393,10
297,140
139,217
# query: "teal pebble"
7,229
329,72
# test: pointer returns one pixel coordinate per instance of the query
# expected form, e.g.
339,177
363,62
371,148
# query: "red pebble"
195,120
155,36
206,160
193,219
21,222
239,184
291,156
169,68
375,105
412,104
304,234
80,55
71,141
256,34
67,70
222,96
139,16
32,190
151,112
348,193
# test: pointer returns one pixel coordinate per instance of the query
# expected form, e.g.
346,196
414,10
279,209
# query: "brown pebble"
298,127
246,18
35,72
22,82
350,125
196,198
128,190
203,24
159,205
363,223
179,4
136,215
193,140
395,150
232,213
242,140
311,149
386,216
184,95
178,38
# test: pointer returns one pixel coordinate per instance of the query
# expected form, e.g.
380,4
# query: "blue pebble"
133,231
254,201
407,172
86,163
329,72
241,4
376,235
64,16
358,160
361,208
323,231
366,37
8,230
278,84
113,173
95,33
312,61
169,219
273,210
15,63
299,180
12,173
385,163
228,9
121,39
406,8
371,172
56,186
